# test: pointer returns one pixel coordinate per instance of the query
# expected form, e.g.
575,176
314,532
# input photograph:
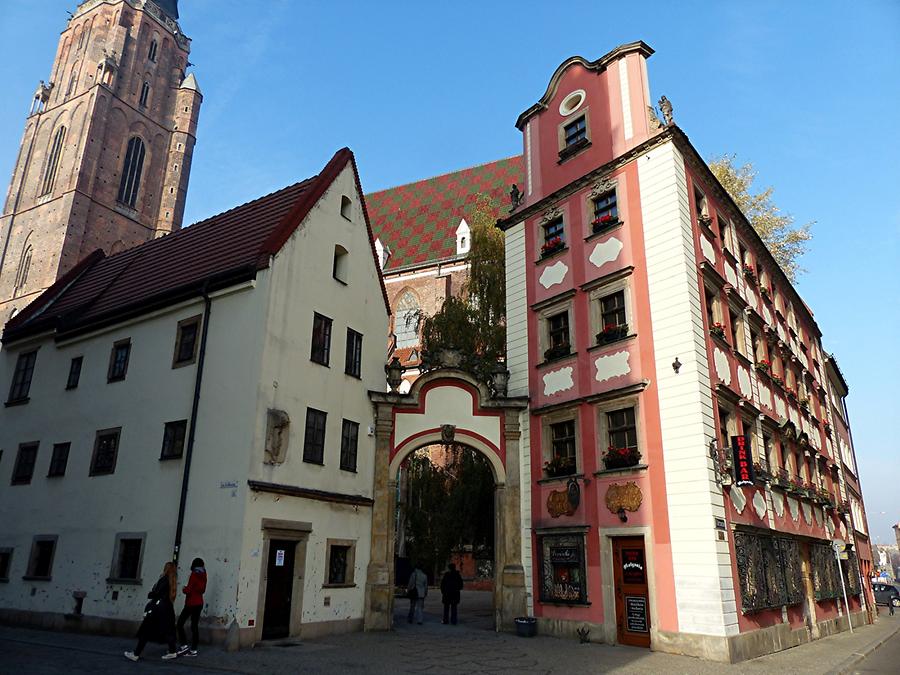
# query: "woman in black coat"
159,615
451,585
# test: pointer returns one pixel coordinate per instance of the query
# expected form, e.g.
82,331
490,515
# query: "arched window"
131,172
152,53
339,267
73,81
53,161
24,267
82,37
405,320
346,206
145,94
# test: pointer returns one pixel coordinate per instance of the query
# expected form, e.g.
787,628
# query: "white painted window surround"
463,238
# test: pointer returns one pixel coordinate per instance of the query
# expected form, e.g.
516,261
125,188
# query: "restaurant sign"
743,461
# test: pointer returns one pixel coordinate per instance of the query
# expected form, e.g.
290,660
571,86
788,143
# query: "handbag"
149,607
413,593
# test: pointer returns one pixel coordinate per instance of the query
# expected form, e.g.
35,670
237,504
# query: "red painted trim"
477,411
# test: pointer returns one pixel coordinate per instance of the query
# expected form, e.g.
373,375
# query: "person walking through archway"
451,585
416,589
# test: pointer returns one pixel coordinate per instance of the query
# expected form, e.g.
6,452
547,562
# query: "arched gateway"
447,405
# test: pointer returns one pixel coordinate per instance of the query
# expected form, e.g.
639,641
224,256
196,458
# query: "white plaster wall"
298,284
446,405
703,583
142,494
517,364
516,312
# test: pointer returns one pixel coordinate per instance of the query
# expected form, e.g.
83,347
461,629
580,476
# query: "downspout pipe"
189,451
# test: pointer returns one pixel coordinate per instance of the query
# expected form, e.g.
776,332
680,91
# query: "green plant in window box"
766,293
559,466
761,472
763,365
620,458
603,222
704,220
558,351
777,380
749,273
612,332
718,330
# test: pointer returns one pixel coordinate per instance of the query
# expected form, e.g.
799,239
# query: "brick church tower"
106,154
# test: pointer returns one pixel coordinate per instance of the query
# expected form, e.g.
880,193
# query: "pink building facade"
654,334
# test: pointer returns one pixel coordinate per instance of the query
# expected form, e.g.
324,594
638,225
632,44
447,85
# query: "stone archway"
447,405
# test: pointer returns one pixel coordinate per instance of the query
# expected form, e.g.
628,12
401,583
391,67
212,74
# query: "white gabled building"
205,392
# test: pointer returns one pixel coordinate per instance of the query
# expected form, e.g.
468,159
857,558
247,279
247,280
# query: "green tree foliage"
785,240
474,323
449,506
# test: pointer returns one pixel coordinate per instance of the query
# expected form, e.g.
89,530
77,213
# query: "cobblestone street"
431,648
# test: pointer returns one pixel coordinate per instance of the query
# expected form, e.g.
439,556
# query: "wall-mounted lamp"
676,365
622,515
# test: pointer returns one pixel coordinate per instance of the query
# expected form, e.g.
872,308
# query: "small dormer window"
463,238
346,206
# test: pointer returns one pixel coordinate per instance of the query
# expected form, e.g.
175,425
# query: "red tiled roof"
213,253
418,221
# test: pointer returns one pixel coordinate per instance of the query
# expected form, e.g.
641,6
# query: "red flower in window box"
718,330
604,221
763,365
618,458
612,332
552,245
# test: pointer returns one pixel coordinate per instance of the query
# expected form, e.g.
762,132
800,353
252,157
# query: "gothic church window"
24,267
145,94
131,172
53,161
151,55
406,320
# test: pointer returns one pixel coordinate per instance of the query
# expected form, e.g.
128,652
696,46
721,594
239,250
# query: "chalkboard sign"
636,613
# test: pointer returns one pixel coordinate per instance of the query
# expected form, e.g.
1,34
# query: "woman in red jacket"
193,605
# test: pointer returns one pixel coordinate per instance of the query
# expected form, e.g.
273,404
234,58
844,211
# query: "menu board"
636,613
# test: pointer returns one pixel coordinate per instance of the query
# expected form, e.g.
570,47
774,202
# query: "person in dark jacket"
451,585
193,605
159,615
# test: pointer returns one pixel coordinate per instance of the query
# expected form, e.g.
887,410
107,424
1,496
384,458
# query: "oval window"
572,102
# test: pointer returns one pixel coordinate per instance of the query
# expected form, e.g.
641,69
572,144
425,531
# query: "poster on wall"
279,558
636,614
743,461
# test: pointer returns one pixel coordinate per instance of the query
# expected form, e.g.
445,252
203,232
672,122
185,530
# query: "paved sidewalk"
430,648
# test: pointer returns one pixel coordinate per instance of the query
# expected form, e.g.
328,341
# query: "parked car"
886,594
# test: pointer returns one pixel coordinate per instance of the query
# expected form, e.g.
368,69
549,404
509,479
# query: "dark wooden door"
279,589
632,598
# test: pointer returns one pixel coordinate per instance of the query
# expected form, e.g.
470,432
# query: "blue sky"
807,91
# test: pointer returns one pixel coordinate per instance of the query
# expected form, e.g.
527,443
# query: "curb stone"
847,664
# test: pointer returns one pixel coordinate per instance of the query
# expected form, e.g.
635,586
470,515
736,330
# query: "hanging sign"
636,614
279,558
743,461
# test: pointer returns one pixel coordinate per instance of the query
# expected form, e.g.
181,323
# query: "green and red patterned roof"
418,221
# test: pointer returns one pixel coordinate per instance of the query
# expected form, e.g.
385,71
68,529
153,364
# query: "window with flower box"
727,428
701,207
613,319
713,313
558,336
621,431
605,211
562,460
554,236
